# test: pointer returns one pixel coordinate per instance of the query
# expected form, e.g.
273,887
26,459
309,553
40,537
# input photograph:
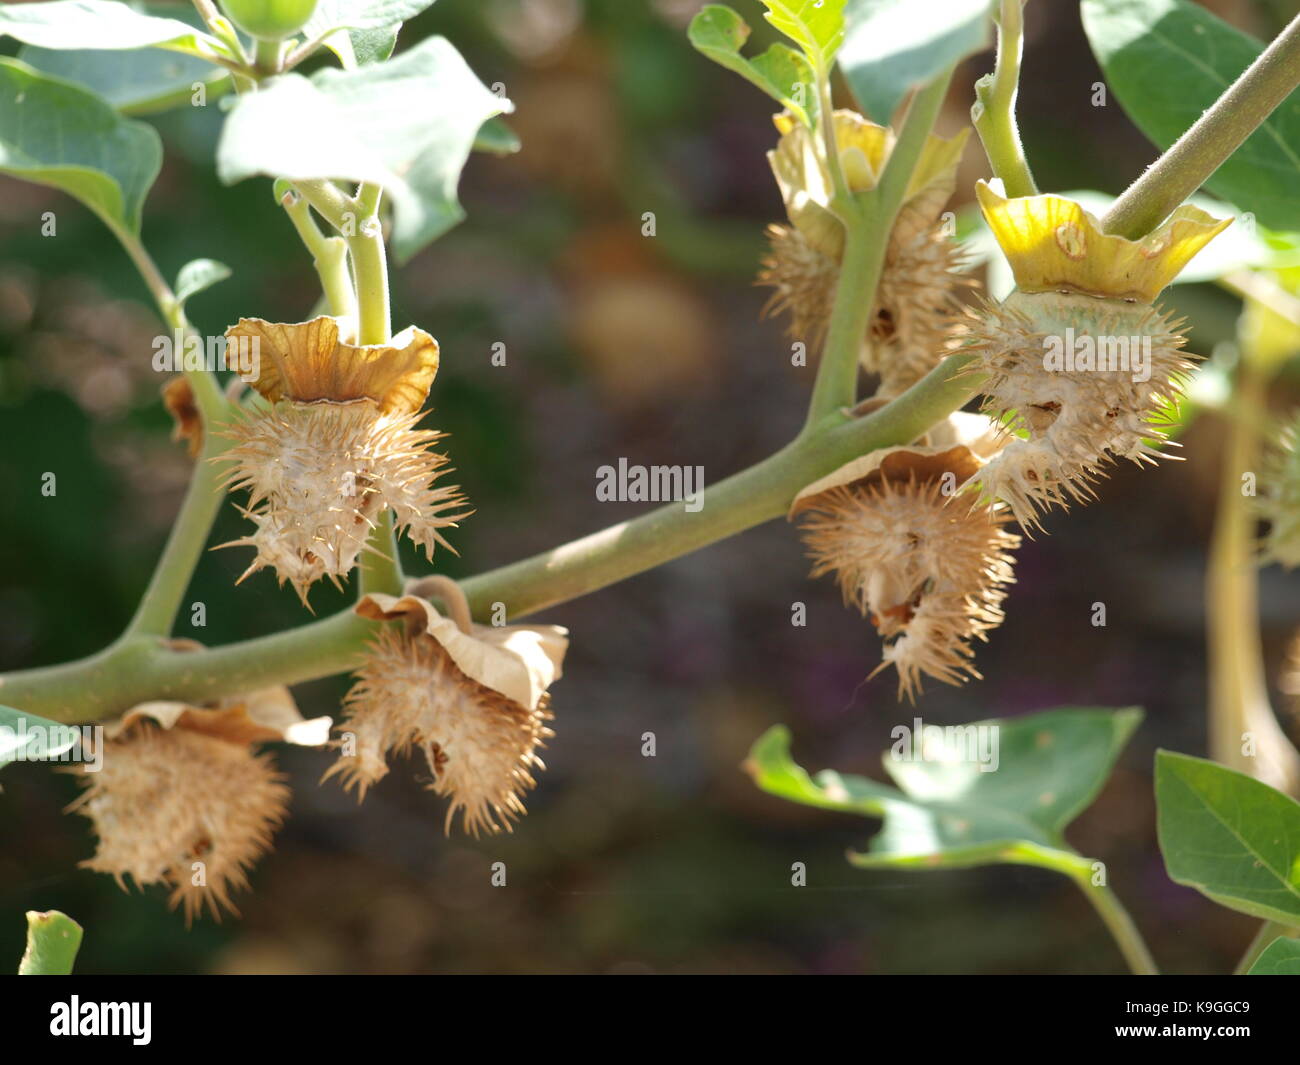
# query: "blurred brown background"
617,346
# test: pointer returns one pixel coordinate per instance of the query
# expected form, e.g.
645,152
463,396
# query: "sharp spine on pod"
336,447
1079,365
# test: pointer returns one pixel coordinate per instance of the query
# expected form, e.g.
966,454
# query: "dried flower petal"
178,398
307,362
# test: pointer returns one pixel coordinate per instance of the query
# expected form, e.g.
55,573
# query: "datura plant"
319,432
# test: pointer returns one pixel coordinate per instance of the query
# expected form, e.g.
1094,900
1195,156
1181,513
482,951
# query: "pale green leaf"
55,133
784,74
893,46
26,737
407,124
817,26
101,24
135,83
198,275
332,15
1000,790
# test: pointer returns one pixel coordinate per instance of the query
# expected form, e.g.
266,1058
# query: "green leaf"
101,24
26,737
890,47
198,275
374,45
53,939
496,138
407,124
55,133
1233,838
816,26
135,83
948,811
333,15
1167,61
1280,958
784,74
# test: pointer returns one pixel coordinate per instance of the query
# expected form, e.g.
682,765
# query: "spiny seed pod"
472,698
1278,502
917,297
1079,365
336,448
913,554
180,798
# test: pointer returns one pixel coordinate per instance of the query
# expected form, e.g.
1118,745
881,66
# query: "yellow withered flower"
471,698
911,551
181,799
337,447
1080,366
916,298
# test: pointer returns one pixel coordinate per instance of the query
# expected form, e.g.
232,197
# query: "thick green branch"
1199,152
161,602
134,671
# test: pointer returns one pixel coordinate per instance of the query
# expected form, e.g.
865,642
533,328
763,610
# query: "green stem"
866,238
1062,859
1213,137
131,672
1239,706
1117,919
208,396
836,385
370,265
267,56
381,572
329,255
156,613
53,939
358,220
994,111
830,142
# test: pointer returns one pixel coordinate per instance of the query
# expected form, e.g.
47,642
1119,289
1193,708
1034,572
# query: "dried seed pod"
916,301
337,447
474,702
1080,367
181,799
913,553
